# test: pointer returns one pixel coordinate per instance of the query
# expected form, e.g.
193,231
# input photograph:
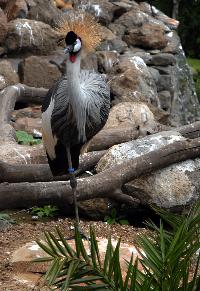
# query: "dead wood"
101,185
15,173
112,136
8,97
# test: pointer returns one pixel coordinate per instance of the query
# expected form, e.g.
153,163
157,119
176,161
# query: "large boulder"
37,71
31,36
132,81
134,114
173,187
149,35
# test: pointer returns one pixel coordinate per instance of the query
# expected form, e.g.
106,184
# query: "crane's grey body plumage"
80,108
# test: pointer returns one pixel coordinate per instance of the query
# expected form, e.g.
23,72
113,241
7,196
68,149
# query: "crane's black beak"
69,49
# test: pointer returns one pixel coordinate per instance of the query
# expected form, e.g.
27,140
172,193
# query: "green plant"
6,217
46,211
113,218
166,258
195,65
26,139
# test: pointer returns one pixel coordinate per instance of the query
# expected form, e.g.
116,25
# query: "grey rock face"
30,36
173,187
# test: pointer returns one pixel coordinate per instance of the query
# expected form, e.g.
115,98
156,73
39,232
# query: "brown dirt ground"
17,235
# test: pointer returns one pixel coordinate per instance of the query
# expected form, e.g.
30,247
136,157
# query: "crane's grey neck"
76,97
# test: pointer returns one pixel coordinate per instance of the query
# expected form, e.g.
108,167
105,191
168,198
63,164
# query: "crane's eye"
77,45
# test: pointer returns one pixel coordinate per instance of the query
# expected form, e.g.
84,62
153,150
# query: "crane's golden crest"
85,26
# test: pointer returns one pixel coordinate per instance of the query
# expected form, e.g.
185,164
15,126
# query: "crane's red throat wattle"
72,58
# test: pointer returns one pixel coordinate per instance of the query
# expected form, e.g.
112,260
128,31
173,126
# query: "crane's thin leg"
73,184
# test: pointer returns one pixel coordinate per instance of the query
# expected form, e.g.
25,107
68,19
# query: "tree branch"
29,194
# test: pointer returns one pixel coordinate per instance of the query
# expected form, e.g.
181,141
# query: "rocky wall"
141,53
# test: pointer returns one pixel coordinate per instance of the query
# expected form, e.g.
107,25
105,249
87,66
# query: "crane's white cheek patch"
49,140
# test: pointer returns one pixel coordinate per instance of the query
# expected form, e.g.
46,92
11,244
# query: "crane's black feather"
64,125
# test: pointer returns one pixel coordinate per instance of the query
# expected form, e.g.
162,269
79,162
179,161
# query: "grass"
195,65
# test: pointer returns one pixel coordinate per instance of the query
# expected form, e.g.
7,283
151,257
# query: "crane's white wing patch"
49,139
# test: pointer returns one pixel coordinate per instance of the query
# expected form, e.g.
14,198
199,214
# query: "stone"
44,11
133,18
132,81
114,45
17,9
165,82
106,60
30,273
37,71
162,59
117,29
28,124
33,112
2,51
185,103
134,114
165,100
3,26
173,187
173,43
89,62
149,36
155,74
103,10
31,36
13,153
8,75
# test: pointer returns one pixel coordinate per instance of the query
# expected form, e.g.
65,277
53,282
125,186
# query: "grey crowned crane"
77,106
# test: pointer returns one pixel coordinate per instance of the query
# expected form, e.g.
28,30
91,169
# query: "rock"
132,81
16,9
33,112
31,36
116,44
89,62
8,76
162,59
103,10
173,43
106,60
185,103
3,26
134,114
155,74
30,273
133,18
121,8
2,51
173,187
37,71
149,36
117,29
165,82
44,11
28,124
165,100
13,153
